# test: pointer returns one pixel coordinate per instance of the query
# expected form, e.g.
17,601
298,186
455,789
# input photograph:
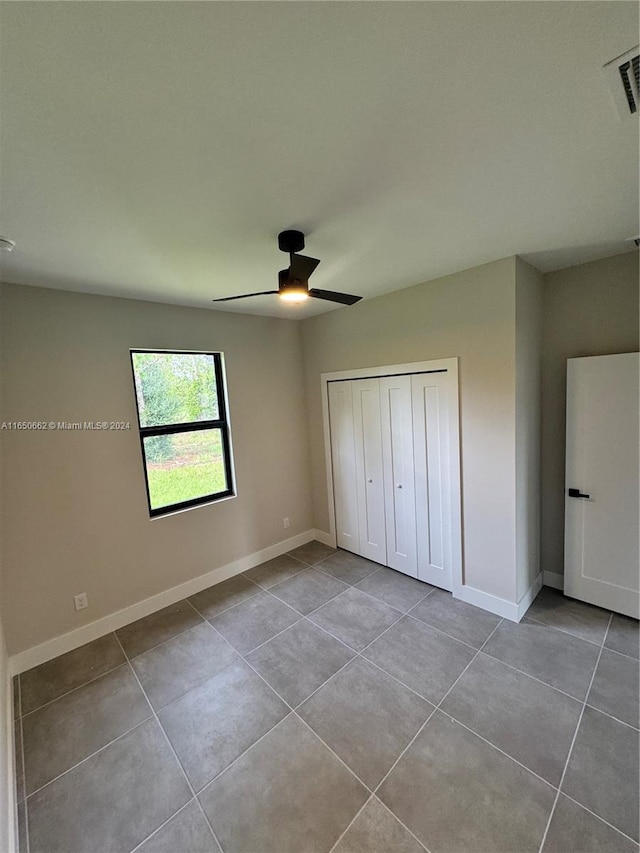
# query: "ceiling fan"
293,283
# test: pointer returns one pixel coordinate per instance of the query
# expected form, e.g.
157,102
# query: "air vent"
623,74
630,74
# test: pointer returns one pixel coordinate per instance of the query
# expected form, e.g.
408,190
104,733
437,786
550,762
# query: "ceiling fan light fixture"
294,294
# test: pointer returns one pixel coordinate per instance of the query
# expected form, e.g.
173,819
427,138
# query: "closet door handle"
369,480
399,486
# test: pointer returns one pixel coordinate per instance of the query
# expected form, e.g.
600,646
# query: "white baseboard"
553,579
492,603
325,538
527,599
9,832
501,606
50,649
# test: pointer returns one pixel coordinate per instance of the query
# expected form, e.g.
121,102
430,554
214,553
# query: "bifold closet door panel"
369,480
397,458
343,458
431,455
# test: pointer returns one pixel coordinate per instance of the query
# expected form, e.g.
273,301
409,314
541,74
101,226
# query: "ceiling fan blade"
301,267
244,296
332,296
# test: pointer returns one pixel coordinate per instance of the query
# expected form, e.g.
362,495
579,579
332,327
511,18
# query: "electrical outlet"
81,601
285,522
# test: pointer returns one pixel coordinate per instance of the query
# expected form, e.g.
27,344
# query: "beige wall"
74,504
470,315
528,417
591,309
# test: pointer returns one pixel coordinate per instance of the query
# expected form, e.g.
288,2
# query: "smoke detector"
6,244
623,77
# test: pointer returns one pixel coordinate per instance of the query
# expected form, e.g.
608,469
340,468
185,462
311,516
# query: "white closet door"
431,453
397,456
343,458
370,486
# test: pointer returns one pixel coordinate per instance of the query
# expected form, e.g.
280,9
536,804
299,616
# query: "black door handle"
576,493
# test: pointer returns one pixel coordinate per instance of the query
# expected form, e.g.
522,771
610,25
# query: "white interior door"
343,457
432,478
369,481
601,521
398,473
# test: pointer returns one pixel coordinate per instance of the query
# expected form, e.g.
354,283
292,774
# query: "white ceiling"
155,150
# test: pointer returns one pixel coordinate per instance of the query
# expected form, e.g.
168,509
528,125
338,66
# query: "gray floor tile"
394,588
140,636
531,722
16,697
187,832
171,669
112,801
17,734
355,618
376,830
603,771
68,730
582,620
214,723
298,661
210,602
558,659
76,705
312,552
422,658
366,717
457,618
50,680
623,636
254,621
348,567
22,828
615,687
287,794
274,571
308,590
575,830
474,794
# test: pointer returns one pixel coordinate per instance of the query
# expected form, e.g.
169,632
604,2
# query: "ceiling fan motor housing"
285,282
291,241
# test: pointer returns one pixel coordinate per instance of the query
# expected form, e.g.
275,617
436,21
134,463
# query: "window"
184,428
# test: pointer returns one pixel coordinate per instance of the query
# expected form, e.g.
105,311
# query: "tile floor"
322,703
